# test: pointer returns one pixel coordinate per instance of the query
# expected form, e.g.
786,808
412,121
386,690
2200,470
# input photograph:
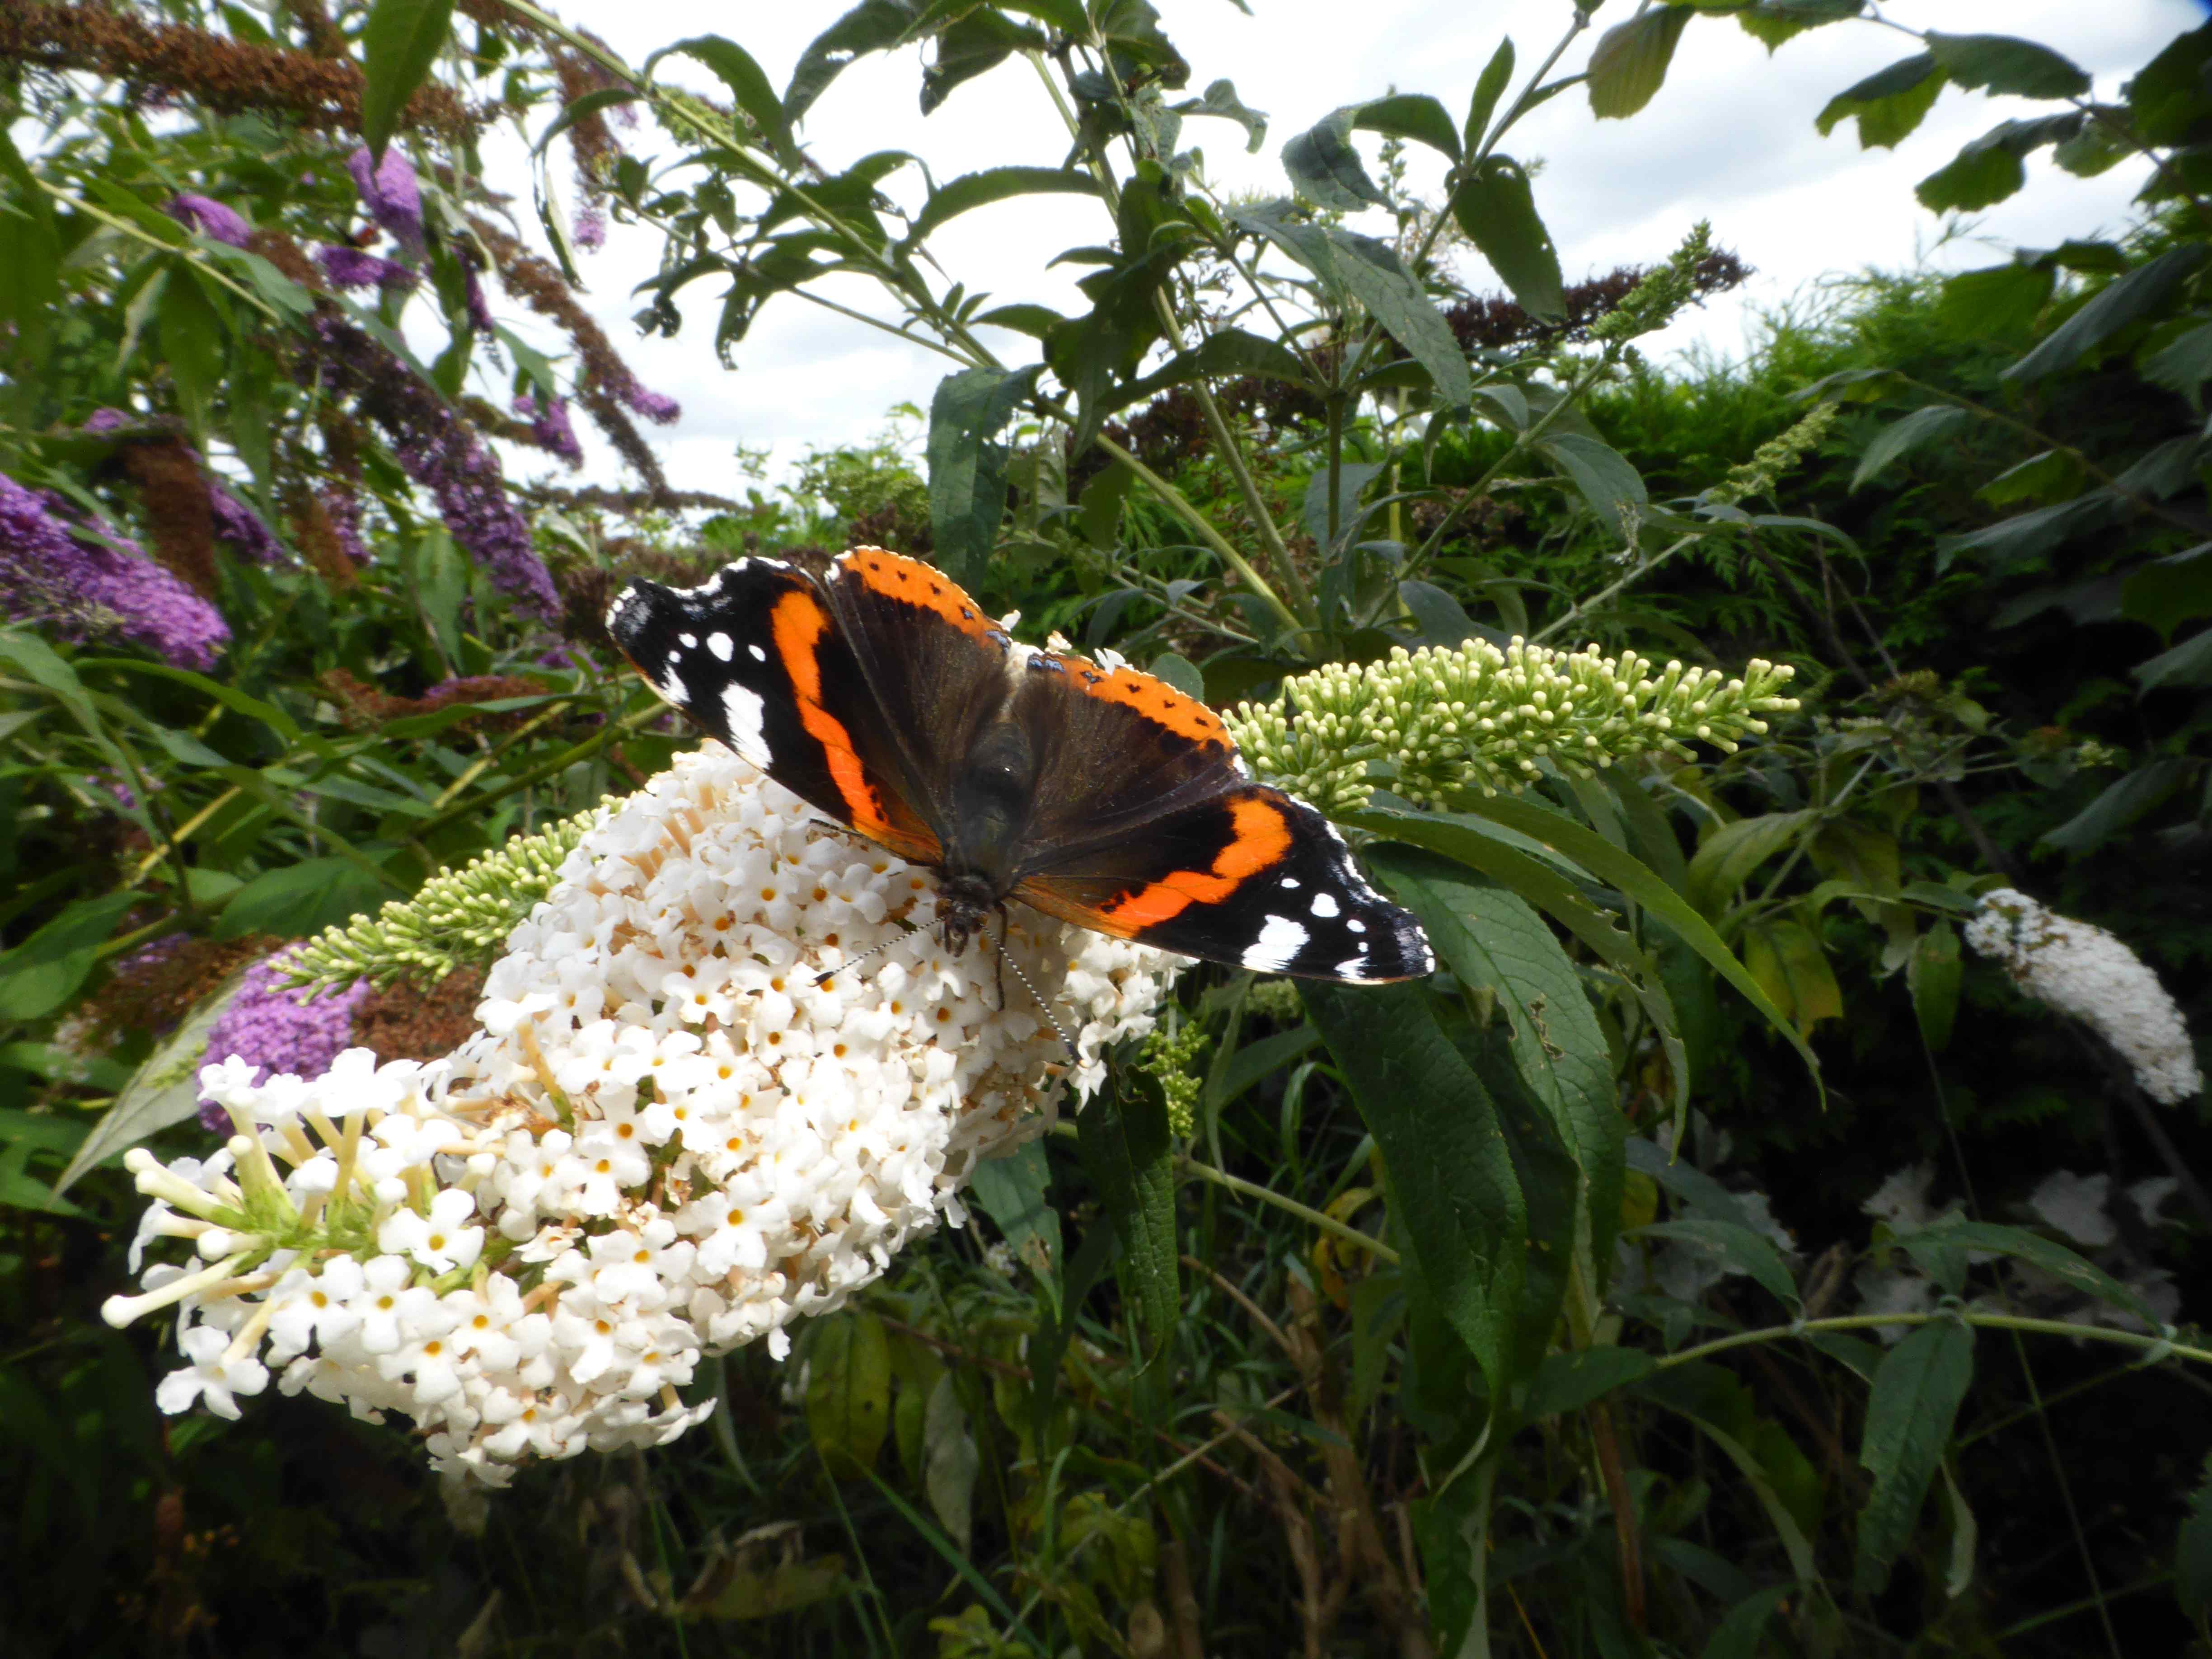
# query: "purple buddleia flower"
108,420
351,267
342,509
548,428
241,527
655,406
590,232
443,454
89,582
277,1030
210,218
389,191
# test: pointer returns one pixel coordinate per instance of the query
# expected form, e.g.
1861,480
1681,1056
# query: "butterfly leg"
1004,922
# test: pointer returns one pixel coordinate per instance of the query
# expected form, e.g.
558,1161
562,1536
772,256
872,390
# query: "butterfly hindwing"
755,656
1249,877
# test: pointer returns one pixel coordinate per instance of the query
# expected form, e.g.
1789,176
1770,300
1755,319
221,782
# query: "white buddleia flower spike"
666,1138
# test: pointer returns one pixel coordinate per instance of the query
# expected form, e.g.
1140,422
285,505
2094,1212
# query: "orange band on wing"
798,623
1262,835
912,582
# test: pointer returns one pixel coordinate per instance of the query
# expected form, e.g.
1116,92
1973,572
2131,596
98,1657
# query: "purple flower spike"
210,218
241,527
279,1029
655,406
342,509
108,420
549,428
479,308
351,267
93,582
389,191
591,232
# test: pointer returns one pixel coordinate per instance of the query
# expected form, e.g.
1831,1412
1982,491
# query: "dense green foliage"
1347,1320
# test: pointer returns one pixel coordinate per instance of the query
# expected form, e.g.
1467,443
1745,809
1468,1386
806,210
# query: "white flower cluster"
666,1140
2086,972
1439,721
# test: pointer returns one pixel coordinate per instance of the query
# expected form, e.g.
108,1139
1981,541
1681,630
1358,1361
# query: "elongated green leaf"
1371,271
1129,1152
2188,662
973,44
1737,1635
1932,975
1327,170
870,26
1413,115
1988,169
1901,437
974,190
191,342
2192,1553
968,465
1496,208
1735,1247
1568,1381
1629,60
297,899
1228,354
2133,797
398,44
1726,858
1601,474
580,109
44,972
1609,864
2124,300
1889,103
1908,1414
750,87
1489,88
2002,63
2046,1254
949,1461
1014,1191
849,1391
1761,1478
163,1091
1490,937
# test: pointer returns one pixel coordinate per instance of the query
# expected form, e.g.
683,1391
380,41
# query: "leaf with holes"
1888,104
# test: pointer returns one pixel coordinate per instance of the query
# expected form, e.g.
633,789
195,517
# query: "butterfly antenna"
1074,1054
868,955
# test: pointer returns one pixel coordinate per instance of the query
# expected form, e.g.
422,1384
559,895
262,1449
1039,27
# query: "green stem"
1583,607
1313,1217
1993,1321
614,732
1213,538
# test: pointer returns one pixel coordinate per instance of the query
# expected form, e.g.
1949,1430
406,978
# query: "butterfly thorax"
989,814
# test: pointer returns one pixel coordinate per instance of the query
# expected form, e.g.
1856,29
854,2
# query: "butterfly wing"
758,658
1145,827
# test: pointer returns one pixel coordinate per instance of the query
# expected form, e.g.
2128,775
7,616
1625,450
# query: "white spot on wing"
1357,970
688,642
1279,942
1357,926
745,716
1291,883
759,655
1325,905
720,646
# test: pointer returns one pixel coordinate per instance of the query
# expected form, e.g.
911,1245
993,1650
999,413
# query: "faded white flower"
2086,972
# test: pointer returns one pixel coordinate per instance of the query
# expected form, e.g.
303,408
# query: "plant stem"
1213,538
1993,1321
1583,607
1311,1216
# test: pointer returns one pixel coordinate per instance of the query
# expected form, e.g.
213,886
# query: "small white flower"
442,1240
208,1377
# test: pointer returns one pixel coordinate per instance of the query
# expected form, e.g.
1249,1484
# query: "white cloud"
1730,138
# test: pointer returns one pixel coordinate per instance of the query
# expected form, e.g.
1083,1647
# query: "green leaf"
1964,1535
301,899
2188,662
2001,64
2055,475
1228,354
1171,668
1220,99
1496,75
975,45
1034,320
1413,115
950,1462
2120,805
1789,962
1902,436
1988,169
1737,1635
1932,975
2167,96
1327,170
2183,363
750,88
1568,1381
1014,1191
578,109
968,466
1494,206
1915,1398
1954,1237
163,1091
191,342
975,190
2192,1553
1889,103
1761,1478
1491,937
1371,271
849,1391
398,44
44,972
1630,61
1601,474
1736,1247
2123,301
1477,1179
872,26
1726,858
1130,1155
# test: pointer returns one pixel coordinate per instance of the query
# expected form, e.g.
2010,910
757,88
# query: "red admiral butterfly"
882,695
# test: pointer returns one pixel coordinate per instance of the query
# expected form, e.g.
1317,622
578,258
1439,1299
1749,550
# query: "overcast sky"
1729,139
